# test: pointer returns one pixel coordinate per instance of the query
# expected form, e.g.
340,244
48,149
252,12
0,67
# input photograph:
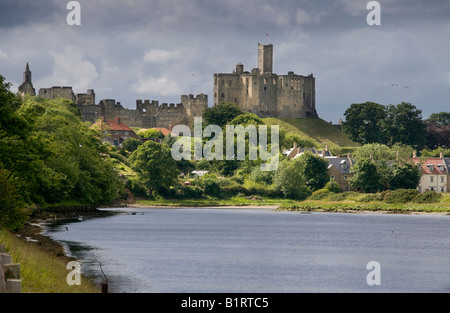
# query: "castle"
265,93
261,92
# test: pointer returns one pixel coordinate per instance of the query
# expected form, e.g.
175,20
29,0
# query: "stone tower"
265,93
265,58
27,85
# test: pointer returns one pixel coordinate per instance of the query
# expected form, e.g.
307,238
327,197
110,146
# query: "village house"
115,132
339,171
435,173
296,152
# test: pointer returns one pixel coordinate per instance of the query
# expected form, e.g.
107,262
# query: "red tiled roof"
431,161
115,125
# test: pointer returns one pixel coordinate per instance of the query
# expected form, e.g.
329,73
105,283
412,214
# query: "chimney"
414,154
441,155
118,120
295,145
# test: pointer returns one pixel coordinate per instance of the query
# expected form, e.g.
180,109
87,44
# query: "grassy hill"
317,129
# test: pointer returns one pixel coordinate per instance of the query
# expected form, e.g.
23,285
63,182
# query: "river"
261,251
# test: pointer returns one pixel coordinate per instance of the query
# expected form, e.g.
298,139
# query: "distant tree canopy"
48,155
221,114
442,118
365,123
151,133
374,123
156,168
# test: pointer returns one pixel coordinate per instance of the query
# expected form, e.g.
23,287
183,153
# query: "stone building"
115,132
148,114
27,86
265,93
435,173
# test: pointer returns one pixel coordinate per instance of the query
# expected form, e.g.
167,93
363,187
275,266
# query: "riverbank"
344,206
44,261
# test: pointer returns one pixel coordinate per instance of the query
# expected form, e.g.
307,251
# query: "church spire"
27,85
27,74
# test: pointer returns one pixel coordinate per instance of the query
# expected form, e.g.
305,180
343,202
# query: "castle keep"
265,93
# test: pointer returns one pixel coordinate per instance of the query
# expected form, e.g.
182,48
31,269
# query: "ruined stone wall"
296,96
194,106
57,92
85,98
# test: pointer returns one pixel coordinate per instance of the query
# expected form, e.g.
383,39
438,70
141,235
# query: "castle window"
222,95
222,82
304,95
274,81
265,88
265,81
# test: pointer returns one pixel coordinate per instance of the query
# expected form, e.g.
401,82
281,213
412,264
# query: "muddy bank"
33,230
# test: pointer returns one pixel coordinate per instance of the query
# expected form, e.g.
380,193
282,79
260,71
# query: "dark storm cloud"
158,49
15,13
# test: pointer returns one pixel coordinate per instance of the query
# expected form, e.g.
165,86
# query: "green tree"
333,186
315,170
406,176
151,133
290,181
131,144
364,123
405,125
156,168
221,114
442,118
365,176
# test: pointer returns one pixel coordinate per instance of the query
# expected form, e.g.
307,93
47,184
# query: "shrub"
320,194
136,188
337,197
428,197
372,198
400,195
333,186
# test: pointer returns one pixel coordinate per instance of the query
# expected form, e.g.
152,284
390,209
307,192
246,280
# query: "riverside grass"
352,203
40,271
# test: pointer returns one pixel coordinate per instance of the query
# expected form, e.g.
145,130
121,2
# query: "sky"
161,49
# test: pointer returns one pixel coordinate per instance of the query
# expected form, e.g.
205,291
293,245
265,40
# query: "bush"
136,188
333,186
400,195
320,194
372,198
428,197
337,197
190,192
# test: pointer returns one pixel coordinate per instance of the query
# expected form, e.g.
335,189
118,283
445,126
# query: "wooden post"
9,275
13,285
11,271
5,259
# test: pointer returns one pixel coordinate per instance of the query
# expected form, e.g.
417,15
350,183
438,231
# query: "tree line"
371,122
49,156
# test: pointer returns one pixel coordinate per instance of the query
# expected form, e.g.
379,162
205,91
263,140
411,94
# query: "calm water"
223,250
